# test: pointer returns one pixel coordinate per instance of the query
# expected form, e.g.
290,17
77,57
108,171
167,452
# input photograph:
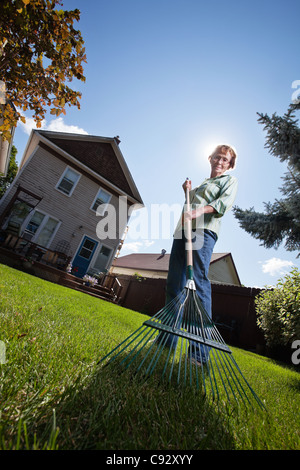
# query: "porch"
51,265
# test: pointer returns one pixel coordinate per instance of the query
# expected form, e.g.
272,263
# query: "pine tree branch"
296,181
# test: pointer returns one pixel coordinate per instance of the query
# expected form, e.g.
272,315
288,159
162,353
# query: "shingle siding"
99,157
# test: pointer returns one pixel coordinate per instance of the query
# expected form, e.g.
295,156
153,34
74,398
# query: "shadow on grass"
117,409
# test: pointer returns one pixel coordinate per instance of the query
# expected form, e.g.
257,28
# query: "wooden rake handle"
188,236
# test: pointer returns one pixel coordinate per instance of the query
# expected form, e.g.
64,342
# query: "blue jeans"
203,246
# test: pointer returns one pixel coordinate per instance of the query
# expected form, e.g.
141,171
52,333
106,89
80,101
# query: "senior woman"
208,203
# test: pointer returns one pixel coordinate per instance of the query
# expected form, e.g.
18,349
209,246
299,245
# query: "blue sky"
174,77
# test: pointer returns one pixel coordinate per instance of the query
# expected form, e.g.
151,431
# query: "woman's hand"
194,213
187,185
189,216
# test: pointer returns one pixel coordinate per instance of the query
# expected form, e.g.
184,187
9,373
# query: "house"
67,185
152,265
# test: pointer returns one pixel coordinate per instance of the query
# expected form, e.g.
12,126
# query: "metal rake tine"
247,383
236,380
173,361
218,354
158,353
169,353
179,364
120,344
179,316
192,317
185,342
145,340
170,307
212,378
226,360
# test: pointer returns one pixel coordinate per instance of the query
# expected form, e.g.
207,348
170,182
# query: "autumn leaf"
43,30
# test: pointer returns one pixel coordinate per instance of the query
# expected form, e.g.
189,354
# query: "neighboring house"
150,265
52,204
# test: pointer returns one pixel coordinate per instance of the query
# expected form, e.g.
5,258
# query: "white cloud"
136,247
30,124
132,247
149,243
57,125
276,266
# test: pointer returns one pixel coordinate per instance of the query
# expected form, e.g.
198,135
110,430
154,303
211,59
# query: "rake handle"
188,236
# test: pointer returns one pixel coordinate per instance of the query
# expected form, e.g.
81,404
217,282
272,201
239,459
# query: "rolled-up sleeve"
226,198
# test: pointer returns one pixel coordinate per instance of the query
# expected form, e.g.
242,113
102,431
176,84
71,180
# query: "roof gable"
100,154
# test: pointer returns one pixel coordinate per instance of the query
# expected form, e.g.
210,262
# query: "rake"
168,342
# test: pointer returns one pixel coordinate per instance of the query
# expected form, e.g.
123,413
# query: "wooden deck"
46,267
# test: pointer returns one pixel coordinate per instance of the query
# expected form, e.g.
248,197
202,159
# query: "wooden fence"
233,308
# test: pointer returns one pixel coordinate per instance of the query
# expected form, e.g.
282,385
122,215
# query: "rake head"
183,346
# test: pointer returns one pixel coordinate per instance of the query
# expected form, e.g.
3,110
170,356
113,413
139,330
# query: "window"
102,258
40,228
102,197
87,249
33,225
17,216
68,181
46,232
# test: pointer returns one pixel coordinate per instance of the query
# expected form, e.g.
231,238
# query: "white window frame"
62,177
45,220
101,211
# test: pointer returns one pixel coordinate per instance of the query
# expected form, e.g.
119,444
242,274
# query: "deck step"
96,291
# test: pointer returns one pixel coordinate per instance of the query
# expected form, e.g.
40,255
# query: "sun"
209,147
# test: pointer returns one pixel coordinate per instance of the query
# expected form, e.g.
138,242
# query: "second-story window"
68,181
101,201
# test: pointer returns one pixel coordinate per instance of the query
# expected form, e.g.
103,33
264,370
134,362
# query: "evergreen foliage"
280,222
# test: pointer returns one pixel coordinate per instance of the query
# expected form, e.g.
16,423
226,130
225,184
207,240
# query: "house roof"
153,261
102,155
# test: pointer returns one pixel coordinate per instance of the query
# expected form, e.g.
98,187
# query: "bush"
278,311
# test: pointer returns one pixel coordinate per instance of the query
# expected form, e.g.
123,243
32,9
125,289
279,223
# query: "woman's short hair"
224,148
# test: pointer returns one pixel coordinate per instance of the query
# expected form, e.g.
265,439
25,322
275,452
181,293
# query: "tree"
278,311
281,220
11,172
40,50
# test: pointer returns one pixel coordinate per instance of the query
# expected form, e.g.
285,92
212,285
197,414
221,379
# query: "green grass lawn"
53,394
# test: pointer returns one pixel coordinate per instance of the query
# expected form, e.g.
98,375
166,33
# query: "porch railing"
112,282
33,251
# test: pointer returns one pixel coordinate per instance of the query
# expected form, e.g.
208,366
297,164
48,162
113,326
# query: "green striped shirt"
218,192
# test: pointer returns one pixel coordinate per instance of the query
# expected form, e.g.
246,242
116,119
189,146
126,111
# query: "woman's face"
219,162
